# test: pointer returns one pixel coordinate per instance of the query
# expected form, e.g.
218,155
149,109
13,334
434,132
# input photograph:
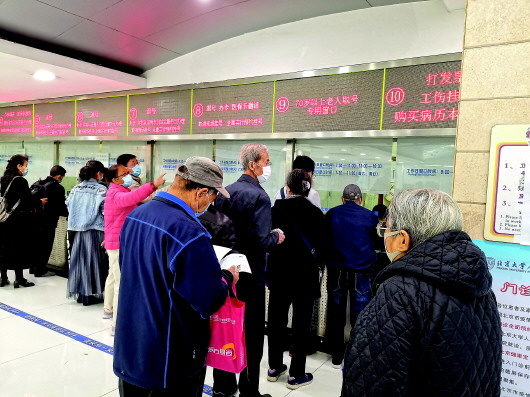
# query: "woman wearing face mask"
88,262
130,161
433,325
119,202
18,229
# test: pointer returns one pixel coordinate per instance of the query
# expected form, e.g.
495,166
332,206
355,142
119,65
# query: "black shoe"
24,283
47,274
5,282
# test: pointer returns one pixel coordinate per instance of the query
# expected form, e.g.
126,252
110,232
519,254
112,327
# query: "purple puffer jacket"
119,202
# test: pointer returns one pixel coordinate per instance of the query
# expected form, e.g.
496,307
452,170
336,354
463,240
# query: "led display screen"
422,96
16,121
159,114
102,116
55,119
233,109
343,102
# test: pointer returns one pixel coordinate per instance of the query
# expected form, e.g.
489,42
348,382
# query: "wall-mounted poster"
509,154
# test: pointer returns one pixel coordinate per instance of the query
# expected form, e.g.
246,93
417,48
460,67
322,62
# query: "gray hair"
251,152
424,213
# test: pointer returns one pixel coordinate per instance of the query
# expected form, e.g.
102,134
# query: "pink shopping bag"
227,349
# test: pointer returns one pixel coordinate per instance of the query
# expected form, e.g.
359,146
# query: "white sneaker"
112,330
106,315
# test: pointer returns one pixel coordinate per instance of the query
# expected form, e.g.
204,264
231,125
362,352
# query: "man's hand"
281,236
235,273
44,201
160,180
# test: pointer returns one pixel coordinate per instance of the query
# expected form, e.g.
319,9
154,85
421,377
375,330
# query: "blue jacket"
249,207
350,229
171,283
85,206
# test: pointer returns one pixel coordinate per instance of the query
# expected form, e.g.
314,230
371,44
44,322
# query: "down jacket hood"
449,261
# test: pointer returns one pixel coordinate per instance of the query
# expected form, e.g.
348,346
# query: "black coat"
291,266
19,233
249,207
55,207
432,328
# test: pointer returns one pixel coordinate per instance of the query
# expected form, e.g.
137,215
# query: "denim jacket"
85,206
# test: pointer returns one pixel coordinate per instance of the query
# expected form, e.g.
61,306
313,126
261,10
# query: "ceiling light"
43,75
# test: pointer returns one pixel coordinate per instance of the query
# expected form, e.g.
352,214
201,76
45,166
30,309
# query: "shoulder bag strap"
5,194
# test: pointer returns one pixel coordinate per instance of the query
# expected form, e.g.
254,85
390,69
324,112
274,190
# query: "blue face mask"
197,214
127,180
25,172
203,212
137,170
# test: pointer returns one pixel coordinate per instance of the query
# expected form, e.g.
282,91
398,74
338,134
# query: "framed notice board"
509,160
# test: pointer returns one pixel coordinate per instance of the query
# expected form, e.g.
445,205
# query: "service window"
227,156
168,155
425,163
366,162
41,159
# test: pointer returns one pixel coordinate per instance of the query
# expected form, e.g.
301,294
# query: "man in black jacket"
51,189
249,207
432,327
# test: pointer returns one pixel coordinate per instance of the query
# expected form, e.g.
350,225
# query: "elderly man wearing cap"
351,256
171,282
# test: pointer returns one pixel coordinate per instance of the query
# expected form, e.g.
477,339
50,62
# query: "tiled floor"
38,362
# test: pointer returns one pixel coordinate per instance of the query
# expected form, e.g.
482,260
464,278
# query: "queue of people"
421,304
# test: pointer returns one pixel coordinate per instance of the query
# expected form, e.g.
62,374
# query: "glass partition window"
340,162
227,156
74,155
425,163
168,155
41,160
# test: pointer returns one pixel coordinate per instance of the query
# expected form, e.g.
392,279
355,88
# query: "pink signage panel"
163,113
233,109
102,116
16,121
54,119
422,96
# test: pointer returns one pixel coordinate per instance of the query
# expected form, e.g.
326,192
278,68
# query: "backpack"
38,189
4,213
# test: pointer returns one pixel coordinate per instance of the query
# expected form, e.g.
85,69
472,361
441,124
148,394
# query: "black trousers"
341,283
47,237
225,382
19,276
190,387
279,302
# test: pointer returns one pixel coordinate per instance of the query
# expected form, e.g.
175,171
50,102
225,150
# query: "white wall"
350,38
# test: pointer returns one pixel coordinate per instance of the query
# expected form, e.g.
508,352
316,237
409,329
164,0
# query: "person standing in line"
351,256
51,189
308,165
433,327
133,180
21,226
88,261
293,278
119,202
249,208
172,283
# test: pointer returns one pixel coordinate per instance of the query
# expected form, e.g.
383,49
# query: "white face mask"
391,255
266,174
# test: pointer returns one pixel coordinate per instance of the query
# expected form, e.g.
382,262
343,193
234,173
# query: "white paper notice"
226,261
